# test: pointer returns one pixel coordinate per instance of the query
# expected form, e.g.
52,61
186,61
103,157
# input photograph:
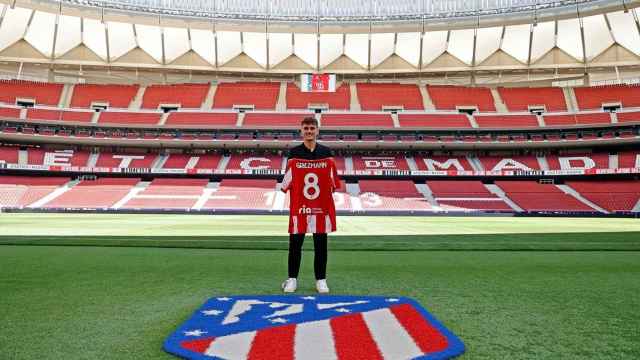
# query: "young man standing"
313,187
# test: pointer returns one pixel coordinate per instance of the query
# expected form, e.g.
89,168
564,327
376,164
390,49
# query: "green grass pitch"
114,286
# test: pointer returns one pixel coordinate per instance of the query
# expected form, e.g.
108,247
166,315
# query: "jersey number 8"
311,189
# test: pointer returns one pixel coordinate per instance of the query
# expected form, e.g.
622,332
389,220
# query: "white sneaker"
290,285
322,287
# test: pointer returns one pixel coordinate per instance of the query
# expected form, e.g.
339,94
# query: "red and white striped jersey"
311,184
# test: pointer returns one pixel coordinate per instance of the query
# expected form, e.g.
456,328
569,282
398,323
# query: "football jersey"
311,184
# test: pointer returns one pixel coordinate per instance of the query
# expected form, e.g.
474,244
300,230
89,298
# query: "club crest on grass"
313,327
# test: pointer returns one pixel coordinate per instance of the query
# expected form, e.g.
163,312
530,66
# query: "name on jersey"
311,165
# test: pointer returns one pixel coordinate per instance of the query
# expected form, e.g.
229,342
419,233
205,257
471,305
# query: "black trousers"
319,255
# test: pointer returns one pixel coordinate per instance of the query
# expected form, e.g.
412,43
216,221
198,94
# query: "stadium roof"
602,34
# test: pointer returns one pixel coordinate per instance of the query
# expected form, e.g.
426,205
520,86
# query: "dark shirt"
302,152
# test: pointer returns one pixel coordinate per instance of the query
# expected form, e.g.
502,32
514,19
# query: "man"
310,150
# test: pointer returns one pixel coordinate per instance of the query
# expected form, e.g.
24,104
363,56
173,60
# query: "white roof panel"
280,47
68,34
203,44
381,47
461,45
176,43
121,39
622,25
408,47
488,42
255,45
93,37
516,41
434,44
357,48
330,48
543,39
569,38
13,26
228,46
306,48
41,31
597,37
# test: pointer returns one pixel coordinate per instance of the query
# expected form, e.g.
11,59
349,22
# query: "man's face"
309,131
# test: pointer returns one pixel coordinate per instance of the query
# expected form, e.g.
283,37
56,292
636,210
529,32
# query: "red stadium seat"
531,196
595,97
262,95
391,195
448,97
21,191
357,120
129,118
506,121
465,195
274,120
519,99
190,96
339,100
117,96
102,193
434,120
614,195
42,93
373,97
202,119
60,115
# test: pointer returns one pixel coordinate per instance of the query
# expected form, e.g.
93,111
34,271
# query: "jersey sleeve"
288,177
336,183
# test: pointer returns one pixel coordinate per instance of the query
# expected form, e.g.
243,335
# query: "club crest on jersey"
312,327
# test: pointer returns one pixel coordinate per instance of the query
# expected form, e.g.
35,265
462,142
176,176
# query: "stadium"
489,153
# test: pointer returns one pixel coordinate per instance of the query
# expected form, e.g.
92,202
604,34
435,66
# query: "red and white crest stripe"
397,332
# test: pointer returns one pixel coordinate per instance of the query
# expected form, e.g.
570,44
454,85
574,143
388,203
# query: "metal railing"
330,10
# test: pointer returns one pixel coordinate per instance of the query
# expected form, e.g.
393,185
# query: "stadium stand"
128,118
111,160
594,97
202,119
434,120
117,96
519,99
578,161
465,195
99,194
40,92
192,161
37,156
532,196
253,161
446,97
60,115
190,96
273,120
506,121
507,163
615,195
11,113
391,195
628,117
357,120
629,159
262,95
168,193
577,119
9,154
243,194
339,100
441,163
373,97
22,191
380,162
